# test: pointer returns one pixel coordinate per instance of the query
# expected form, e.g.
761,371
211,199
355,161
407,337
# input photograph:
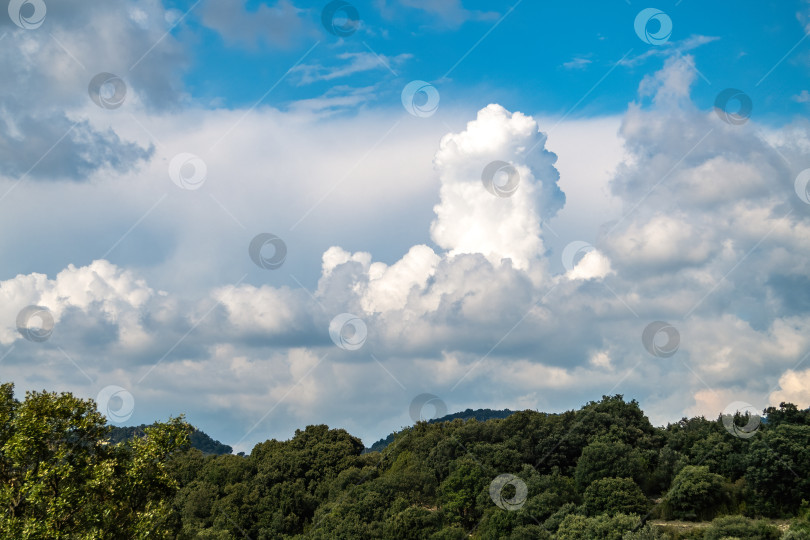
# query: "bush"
529,532
412,523
555,520
796,535
799,530
575,527
449,533
740,527
696,494
647,532
605,458
615,496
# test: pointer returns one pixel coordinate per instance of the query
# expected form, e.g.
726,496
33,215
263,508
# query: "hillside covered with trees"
602,471
198,439
481,415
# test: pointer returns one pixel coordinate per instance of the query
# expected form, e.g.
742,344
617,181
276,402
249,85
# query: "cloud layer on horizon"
710,238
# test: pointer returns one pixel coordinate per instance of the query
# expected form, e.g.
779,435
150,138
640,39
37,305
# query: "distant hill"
199,440
479,414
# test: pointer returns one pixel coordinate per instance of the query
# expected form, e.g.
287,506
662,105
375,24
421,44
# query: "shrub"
614,496
529,532
741,527
603,527
647,532
799,530
696,494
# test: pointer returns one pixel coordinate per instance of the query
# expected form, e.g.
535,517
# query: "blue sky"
145,146
541,57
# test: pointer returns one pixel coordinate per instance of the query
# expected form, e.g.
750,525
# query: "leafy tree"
786,413
614,496
779,469
696,493
668,463
59,476
548,493
552,524
606,458
459,492
722,453
412,523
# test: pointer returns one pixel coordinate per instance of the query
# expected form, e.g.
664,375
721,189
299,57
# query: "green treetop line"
602,471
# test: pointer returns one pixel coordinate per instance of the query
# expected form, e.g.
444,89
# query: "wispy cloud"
449,13
352,63
802,97
281,25
578,62
335,100
668,49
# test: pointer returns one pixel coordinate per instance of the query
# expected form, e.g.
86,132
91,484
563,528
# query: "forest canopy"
603,471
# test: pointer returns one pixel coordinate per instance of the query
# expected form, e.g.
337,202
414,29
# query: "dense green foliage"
614,496
601,472
482,415
696,493
59,477
740,527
